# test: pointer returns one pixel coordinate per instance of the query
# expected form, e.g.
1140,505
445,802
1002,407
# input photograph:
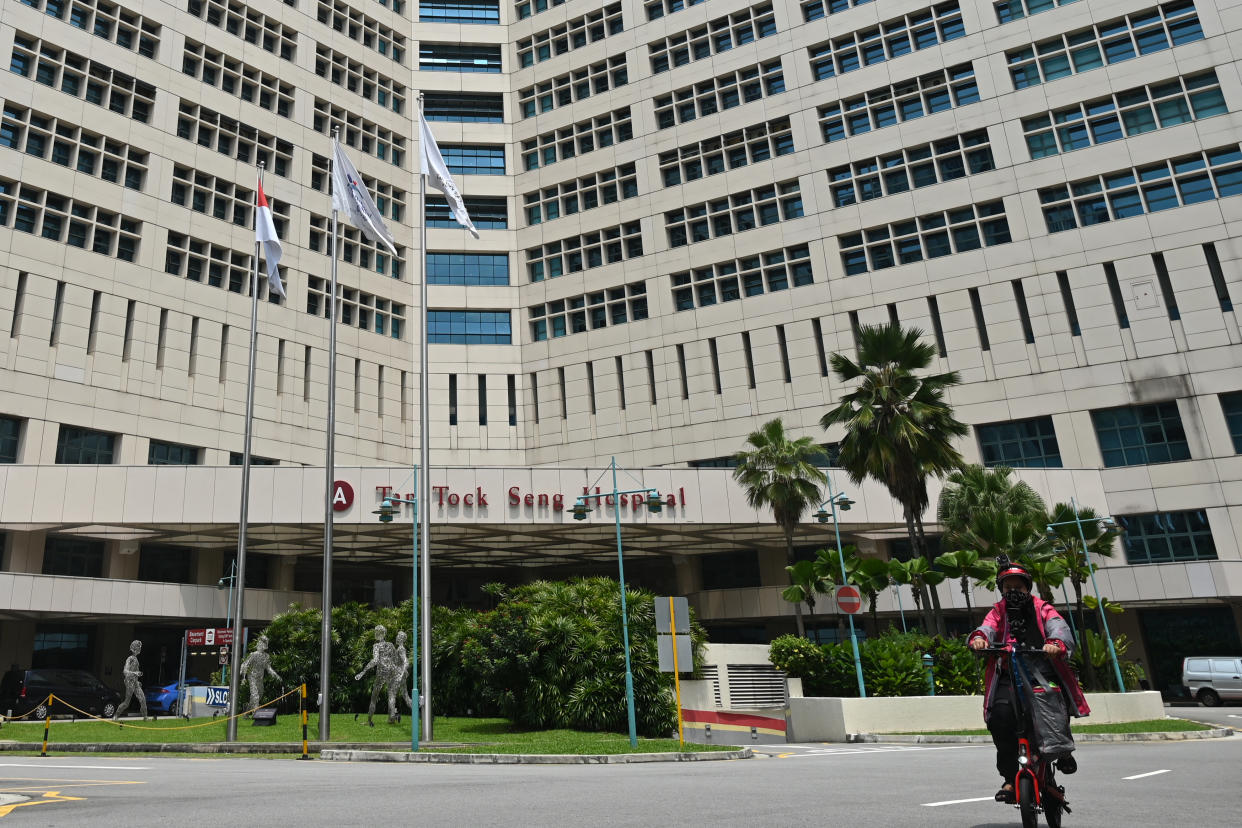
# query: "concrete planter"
823,719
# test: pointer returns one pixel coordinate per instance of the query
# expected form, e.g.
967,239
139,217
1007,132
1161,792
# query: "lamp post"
232,579
385,512
579,511
838,500
1107,523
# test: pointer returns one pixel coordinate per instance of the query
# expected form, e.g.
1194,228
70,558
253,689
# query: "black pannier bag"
1048,714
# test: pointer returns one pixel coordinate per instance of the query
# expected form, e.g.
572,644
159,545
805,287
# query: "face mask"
1016,599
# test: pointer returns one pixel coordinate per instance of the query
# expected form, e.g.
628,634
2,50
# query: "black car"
24,691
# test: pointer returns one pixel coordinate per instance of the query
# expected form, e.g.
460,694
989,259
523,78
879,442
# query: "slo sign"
849,601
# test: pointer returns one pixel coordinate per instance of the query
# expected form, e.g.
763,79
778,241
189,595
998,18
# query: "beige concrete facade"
1128,312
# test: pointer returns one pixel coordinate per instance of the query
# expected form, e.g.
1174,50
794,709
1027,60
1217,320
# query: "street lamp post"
232,579
579,511
838,500
1107,523
385,512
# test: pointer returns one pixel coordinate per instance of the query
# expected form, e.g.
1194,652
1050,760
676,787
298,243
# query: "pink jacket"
995,630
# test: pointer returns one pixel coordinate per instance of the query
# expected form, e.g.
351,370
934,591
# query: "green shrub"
891,667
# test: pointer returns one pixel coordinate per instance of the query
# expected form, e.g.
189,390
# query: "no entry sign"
849,601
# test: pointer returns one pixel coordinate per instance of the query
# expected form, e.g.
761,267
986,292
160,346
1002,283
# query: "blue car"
164,698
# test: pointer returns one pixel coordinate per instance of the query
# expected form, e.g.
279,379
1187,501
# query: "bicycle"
1035,787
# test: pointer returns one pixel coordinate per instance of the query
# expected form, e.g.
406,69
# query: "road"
1225,716
869,786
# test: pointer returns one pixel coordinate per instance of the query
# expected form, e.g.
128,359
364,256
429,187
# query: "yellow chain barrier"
214,721
47,702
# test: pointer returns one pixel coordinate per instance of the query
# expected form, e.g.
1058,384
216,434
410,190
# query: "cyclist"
1023,619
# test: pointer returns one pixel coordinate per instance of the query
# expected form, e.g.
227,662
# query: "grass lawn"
1146,726
477,735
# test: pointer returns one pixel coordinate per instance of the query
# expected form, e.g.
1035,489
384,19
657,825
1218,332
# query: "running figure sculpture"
387,674
259,664
132,672
403,665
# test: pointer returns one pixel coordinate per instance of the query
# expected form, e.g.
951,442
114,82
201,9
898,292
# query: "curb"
338,755
936,739
196,747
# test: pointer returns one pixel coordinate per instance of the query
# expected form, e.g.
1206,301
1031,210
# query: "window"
222,199
90,80
216,265
1162,537
103,19
83,446
69,221
578,314
729,151
577,85
65,144
367,136
355,248
1140,435
1011,10
467,269
905,101
10,438
819,9
586,193
463,108
235,459
662,8
357,308
167,564
1020,443
720,93
466,159
160,453
1123,114
238,19
486,213
589,250
944,160
469,327
1189,179
735,213
577,33
929,236
719,35
750,276
1141,33
367,31
917,30
233,138
526,8
356,76
73,558
217,69
1230,403
459,11
578,139
458,57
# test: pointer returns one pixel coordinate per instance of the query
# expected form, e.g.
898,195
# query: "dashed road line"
958,801
1144,775
40,765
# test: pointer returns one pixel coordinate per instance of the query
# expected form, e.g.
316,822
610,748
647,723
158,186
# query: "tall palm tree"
780,473
973,488
806,582
899,428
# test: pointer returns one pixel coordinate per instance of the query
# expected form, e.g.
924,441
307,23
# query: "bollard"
302,711
47,724
928,661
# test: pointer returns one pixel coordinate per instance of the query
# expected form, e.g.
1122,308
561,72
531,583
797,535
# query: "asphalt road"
870,786
1224,716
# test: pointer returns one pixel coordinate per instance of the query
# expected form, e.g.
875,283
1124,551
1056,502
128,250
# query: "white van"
1211,679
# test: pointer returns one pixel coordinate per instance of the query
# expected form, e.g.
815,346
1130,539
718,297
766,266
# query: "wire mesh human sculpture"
131,672
254,669
387,674
403,661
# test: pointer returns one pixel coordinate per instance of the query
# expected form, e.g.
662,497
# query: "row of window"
578,139
467,269
716,36
107,20
233,138
217,69
719,94
456,11
592,311
68,221
75,75
1190,179
573,86
358,27
736,213
215,265
575,34
1124,114
65,144
361,79
356,131
356,308
928,237
921,166
458,57
356,248
241,20
589,250
486,213
585,193
1010,10
891,39
727,152
463,327
389,200
727,281
819,9
937,91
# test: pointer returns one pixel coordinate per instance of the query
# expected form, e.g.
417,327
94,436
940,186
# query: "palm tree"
871,576
918,573
965,564
899,428
779,473
1070,550
973,488
806,581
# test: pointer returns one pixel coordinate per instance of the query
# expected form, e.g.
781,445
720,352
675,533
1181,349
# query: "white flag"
350,196
265,235
438,176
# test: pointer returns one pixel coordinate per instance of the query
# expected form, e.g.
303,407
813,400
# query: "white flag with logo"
265,235
350,196
438,176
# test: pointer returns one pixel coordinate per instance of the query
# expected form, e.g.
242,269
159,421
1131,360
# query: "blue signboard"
217,696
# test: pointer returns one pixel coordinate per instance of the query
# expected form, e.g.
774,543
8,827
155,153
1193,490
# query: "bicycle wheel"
1026,801
1052,799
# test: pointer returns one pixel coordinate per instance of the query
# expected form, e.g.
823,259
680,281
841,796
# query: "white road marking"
1144,775
958,801
72,767
1233,716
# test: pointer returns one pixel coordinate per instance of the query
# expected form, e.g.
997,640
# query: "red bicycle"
1035,787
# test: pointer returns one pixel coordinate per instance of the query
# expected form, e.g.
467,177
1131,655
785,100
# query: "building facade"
685,208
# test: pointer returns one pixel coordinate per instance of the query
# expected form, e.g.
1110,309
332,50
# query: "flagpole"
424,446
325,629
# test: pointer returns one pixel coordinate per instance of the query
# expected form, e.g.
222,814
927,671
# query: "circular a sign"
342,495
849,600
